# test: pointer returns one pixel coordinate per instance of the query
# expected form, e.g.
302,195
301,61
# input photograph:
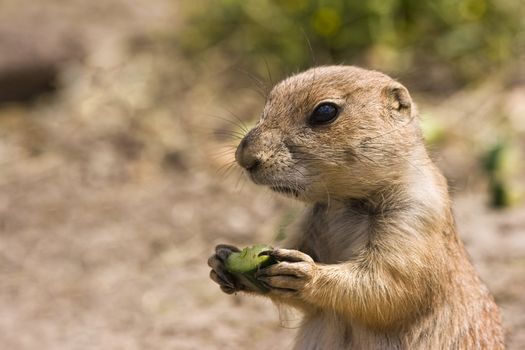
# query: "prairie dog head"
332,132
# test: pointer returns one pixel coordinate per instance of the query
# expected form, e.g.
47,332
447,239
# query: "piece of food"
244,264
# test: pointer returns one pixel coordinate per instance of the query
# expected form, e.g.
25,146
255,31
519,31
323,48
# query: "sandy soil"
122,266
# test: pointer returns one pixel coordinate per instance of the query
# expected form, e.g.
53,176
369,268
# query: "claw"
220,279
289,255
223,255
223,278
265,252
226,247
265,285
223,251
227,290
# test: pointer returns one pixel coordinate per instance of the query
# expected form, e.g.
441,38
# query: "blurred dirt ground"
114,191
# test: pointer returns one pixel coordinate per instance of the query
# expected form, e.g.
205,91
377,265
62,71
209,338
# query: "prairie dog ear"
397,99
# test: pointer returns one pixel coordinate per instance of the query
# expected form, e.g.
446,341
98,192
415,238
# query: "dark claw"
267,253
226,247
227,290
223,251
288,255
211,260
264,284
221,280
223,255
226,279
225,276
218,271
261,273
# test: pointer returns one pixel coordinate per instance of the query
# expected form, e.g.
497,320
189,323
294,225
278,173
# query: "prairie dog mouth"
285,190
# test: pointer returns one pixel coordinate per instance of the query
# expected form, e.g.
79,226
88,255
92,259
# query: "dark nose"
245,155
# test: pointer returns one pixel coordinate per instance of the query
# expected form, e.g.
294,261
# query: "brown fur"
375,262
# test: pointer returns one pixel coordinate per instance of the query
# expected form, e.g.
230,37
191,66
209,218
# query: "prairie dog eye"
324,114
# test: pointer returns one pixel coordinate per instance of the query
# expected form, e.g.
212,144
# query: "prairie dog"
375,262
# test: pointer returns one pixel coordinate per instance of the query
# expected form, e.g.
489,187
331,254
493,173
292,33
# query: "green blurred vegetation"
501,161
462,39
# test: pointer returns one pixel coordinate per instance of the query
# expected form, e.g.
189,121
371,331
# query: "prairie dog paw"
292,276
218,272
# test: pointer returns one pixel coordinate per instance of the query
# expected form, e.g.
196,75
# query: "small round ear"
397,99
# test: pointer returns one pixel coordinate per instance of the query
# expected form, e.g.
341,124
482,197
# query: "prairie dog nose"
245,154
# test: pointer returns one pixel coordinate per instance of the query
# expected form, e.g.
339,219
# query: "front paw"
218,274
292,276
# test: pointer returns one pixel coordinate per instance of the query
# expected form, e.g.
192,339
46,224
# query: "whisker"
312,56
239,179
241,124
229,133
268,71
238,123
225,169
262,88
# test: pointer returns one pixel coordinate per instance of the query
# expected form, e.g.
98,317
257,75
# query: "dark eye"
324,114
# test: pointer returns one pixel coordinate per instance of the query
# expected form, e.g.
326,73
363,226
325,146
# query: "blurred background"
118,122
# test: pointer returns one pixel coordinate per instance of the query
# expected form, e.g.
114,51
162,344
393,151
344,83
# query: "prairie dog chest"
336,234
